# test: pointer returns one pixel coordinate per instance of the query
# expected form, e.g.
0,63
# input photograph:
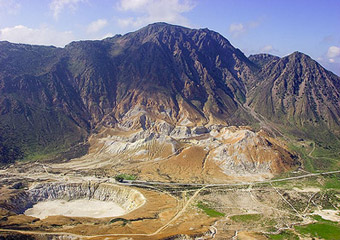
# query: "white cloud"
40,36
236,29
149,11
96,25
267,48
126,22
9,6
331,60
126,5
333,52
254,24
57,6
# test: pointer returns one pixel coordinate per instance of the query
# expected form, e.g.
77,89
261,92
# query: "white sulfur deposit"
75,208
85,199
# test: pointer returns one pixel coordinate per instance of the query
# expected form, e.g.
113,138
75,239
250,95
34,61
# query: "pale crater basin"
85,199
75,208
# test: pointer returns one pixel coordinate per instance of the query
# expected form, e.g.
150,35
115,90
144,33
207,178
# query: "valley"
166,133
260,209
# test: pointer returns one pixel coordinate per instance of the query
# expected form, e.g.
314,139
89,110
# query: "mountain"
53,100
297,92
174,73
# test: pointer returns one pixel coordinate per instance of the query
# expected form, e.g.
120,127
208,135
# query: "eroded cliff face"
244,152
165,152
127,198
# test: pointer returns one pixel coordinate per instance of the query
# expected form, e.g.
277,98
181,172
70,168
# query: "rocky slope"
159,78
200,154
297,92
262,59
172,73
51,98
40,111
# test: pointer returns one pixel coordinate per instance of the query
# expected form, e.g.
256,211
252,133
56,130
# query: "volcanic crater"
96,200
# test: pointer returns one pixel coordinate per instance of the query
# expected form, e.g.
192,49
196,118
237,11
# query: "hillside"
53,99
298,93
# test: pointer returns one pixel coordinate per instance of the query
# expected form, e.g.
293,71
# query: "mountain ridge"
54,98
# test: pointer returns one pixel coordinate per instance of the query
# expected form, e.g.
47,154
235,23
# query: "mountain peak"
163,26
299,92
299,55
160,26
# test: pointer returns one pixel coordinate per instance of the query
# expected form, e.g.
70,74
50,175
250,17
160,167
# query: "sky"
278,27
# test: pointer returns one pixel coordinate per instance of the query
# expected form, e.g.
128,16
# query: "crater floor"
75,208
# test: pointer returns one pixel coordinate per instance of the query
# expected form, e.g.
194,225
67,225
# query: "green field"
324,229
209,211
320,230
284,235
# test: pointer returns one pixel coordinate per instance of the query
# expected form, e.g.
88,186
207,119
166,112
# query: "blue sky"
279,27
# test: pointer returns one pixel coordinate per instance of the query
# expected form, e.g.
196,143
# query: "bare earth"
75,208
331,215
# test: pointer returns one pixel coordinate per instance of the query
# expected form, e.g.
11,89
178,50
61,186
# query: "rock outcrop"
188,154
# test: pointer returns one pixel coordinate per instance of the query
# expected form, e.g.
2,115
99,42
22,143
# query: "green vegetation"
320,158
124,176
270,223
284,235
57,153
247,218
333,181
32,129
299,183
324,229
41,155
328,152
307,161
123,220
320,230
330,182
209,211
319,149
